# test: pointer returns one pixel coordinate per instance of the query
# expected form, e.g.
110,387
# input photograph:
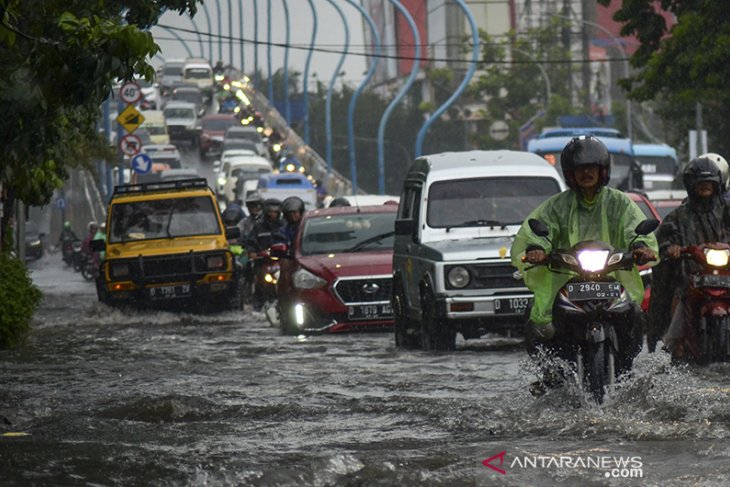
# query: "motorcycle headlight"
303,279
35,243
215,262
221,181
458,277
593,260
119,270
717,258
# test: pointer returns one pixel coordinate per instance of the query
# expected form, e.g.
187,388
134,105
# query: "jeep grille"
364,290
489,276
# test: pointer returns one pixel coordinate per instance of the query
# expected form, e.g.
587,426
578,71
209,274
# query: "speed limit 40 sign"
130,92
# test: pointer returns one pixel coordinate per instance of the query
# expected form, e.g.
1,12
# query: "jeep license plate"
370,312
584,291
167,292
512,306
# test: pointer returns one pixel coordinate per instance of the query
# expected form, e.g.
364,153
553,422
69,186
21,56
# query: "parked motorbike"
706,335
592,306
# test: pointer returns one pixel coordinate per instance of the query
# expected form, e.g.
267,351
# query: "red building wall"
404,36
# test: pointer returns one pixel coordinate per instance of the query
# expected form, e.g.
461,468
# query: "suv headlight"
458,277
119,270
215,262
303,279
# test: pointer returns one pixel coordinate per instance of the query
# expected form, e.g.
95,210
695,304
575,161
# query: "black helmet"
584,150
701,169
232,215
339,201
272,204
292,203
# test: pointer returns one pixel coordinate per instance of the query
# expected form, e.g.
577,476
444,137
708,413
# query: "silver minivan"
457,217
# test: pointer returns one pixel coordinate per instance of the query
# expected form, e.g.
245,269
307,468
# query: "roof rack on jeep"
161,186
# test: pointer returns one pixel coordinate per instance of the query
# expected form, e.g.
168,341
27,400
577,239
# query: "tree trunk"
7,199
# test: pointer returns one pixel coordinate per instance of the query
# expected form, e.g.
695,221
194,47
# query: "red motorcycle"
706,333
265,277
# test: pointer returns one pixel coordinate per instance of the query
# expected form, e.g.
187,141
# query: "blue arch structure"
256,77
241,37
220,37
358,91
230,33
306,70
210,31
470,72
404,89
268,51
177,36
328,99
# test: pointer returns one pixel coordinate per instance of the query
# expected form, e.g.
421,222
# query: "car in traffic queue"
170,73
666,200
213,128
154,122
457,218
191,94
199,72
183,124
282,186
337,275
659,164
650,212
242,167
167,247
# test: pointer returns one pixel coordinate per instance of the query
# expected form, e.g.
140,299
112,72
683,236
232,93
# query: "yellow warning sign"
130,119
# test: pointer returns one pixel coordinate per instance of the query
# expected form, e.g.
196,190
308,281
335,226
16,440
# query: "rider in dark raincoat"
589,210
703,218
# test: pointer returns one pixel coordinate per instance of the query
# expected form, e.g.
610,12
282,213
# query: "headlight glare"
593,260
717,258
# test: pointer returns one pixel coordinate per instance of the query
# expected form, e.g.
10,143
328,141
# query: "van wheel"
401,320
435,331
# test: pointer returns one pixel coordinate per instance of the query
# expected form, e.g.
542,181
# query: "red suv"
338,275
213,129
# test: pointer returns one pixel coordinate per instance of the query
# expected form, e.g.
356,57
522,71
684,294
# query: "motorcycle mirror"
538,227
646,227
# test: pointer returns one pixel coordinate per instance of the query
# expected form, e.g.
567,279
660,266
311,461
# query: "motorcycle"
265,277
706,334
77,256
591,306
67,250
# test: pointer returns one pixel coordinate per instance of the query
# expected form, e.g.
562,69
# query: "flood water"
104,397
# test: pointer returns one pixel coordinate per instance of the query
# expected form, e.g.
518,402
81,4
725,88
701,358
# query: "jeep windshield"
179,113
488,201
334,234
166,218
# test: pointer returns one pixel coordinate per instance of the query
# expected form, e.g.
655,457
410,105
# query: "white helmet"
721,163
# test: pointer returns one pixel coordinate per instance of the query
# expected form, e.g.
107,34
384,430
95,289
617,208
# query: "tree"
683,63
58,62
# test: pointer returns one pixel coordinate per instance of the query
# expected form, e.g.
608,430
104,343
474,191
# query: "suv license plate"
369,311
584,291
167,292
512,306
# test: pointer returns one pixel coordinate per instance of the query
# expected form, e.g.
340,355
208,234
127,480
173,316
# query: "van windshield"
167,218
198,73
179,113
488,201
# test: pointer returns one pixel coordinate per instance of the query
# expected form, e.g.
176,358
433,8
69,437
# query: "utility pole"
565,39
588,12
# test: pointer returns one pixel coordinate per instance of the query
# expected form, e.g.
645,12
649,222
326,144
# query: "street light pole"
328,99
306,70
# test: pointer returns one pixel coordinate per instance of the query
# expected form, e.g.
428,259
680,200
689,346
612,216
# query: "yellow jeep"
166,246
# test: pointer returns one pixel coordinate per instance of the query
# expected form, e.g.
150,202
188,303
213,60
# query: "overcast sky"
330,36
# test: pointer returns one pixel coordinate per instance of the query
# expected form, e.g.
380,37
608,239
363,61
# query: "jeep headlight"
119,270
458,277
303,279
717,258
215,262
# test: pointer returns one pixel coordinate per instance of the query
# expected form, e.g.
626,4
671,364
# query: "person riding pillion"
588,210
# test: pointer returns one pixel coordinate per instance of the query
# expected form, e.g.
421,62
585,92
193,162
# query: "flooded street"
104,397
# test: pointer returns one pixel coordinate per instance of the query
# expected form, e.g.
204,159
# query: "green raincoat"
611,217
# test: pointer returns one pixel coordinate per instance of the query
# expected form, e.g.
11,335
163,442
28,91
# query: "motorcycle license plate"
167,292
512,306
583,291
710,280
370,312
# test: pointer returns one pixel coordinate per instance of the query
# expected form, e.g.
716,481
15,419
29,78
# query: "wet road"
104,397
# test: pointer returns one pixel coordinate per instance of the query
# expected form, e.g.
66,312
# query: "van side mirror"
404,227
98,245
233,233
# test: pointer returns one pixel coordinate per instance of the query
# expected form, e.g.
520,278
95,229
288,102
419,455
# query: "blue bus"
659,164
626,171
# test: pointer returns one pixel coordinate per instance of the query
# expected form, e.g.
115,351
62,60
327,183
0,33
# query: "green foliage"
19,298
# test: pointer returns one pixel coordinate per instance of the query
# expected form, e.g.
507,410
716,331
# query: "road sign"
499,130
60,203
130,144
130,92
141,164
130,119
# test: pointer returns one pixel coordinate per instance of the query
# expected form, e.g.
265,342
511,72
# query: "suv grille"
489,276
364,290
167,266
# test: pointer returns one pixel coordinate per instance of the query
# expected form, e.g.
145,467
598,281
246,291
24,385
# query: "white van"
154,122
198,71
242,167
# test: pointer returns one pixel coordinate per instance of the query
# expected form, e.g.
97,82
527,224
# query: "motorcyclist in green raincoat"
588,210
